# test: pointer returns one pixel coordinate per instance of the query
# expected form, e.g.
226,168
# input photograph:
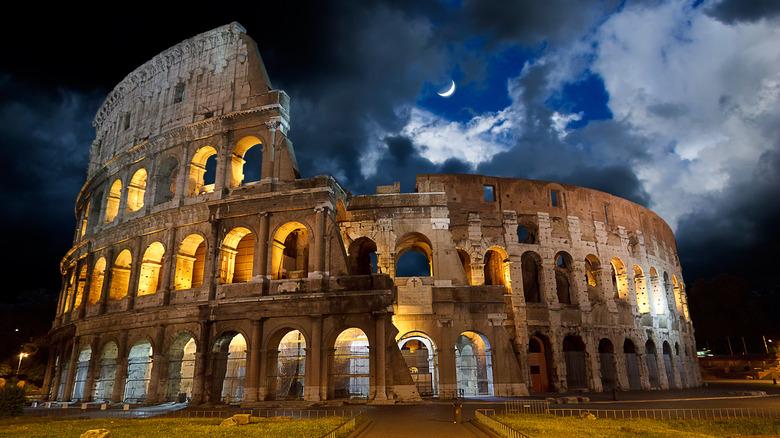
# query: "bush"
12,400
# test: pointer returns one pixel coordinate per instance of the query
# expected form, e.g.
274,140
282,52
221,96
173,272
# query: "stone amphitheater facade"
187,281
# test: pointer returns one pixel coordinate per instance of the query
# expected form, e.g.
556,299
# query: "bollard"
126,407
83,406
103,406
458,412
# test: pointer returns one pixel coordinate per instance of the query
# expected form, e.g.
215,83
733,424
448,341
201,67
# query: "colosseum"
205,269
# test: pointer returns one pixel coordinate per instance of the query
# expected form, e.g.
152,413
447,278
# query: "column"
92,369
167,269
253,365
107,277
261,254
71,377
312,386
318,245
159,366
201,356
135,272
212,262
381,354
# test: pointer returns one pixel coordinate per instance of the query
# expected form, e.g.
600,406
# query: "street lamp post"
21,356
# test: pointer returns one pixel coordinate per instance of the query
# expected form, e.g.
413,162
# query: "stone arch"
229,366
120,275
362,256
526,233
607,364
136,190
190,261
421,356
165,181
81,282
531,265
238,161
181,368
197,181
237,254
473,365
632,365
417,243
286,355
619,280
82,368
666,350
574,356
351,365
497,268
112,203
652,363
290,254
139,371
593,278
539,352
151,269
657,292
465,261
677,295
563,277
106,371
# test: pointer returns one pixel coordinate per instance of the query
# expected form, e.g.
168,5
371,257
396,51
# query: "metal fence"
671,414
298,414
485,417
526,407
348,426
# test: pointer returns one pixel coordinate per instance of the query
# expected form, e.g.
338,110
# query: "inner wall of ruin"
204,269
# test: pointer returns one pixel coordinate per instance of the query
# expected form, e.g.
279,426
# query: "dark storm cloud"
733,11
46,137
737,231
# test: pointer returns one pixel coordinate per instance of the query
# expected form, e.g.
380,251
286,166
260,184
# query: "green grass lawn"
541,426
167,427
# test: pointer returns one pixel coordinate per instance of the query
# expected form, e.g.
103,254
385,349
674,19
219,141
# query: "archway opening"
362,256
465,261
151,269
290,256
96,285
291,366
593,278
414,256
497,268
351,365
112,203
104,384
607,364
473,365
632,365
139,372
238,251
120,276
652,364
190,261
82,367
181,369
576,370
563,277
234,369
537,360
247,162
531,266
203,170
669,365
136,191
165,182
419,353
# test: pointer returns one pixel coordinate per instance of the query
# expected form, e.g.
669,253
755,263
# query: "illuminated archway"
497,268
112,203
197,181
233,349
619,280
290,254
190,261
407,261
151,269
245,149
473,365
136,191
351,365
181,368
82,367
362,256
531,265
139,371
291,366
238,251
120,276
96,282
420,354
104,383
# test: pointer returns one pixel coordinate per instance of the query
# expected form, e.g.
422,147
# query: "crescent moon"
449,92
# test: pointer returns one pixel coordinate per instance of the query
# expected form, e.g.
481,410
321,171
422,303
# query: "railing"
485,416
526,407
298,414
348,426
671,414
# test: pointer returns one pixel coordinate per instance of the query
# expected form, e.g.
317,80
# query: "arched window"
112,204
531,266
136,191
497,268
202,165
247,161
139,372
290,255
563,277
165,184
619,280
362,256
238,250
120,276
96,283
413,256
190,261
151,269
351,364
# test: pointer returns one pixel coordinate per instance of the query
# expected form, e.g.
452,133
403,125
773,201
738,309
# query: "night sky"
671,104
